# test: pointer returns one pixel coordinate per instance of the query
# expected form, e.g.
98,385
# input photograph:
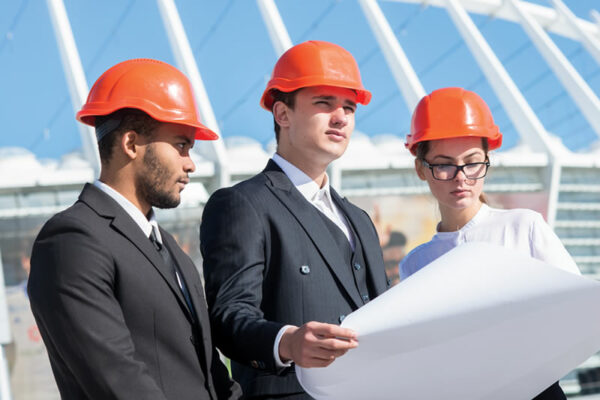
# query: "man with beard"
119,305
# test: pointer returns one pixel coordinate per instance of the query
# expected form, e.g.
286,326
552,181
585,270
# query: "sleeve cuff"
278,362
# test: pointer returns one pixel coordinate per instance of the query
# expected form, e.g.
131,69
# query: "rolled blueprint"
480,322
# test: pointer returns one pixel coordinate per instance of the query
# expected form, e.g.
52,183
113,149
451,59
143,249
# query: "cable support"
316,22
89,66
13,24
214,27
241,100
246,95
504,61
377,107
573,134
396,30
538,79
547,71
424,71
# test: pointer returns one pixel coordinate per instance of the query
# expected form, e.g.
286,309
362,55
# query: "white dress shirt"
521,230
320,197
146,224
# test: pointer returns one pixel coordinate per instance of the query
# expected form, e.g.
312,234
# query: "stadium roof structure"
537,65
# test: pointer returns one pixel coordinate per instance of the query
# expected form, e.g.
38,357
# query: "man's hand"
316,344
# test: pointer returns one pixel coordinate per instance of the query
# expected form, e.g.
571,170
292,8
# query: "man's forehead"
331,91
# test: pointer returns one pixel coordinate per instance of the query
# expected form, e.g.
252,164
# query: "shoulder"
416,259
78,217
247,188
418,252
515,216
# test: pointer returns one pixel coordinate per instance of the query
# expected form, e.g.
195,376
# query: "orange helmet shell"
155,87
451,113
315,63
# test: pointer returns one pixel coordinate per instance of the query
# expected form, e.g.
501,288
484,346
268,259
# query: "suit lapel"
305,214
371,247
126,226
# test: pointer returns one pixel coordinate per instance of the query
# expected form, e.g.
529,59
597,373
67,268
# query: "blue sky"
235,57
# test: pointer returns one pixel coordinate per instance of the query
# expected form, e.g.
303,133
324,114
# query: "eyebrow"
184,138
329,97
476,152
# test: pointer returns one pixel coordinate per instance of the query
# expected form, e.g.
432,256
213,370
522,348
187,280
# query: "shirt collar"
484,210
305,185
145,223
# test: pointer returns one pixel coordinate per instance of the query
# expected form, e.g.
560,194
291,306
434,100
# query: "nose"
189,165
460,176
339,117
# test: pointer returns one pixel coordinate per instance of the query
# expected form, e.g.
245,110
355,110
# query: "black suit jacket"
255,239
111,314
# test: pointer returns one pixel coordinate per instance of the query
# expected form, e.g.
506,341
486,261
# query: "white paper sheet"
480,322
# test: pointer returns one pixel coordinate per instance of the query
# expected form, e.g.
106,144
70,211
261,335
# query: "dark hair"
423,149
287,98
131,120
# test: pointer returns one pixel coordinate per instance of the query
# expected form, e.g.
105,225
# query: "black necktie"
170,262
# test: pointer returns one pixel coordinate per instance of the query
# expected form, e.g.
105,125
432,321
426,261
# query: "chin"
462,204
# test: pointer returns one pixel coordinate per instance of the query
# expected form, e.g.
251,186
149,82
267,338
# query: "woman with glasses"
452,131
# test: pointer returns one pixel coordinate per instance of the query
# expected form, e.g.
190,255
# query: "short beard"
151,181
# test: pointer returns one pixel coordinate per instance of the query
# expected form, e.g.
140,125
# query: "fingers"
316,344
330,331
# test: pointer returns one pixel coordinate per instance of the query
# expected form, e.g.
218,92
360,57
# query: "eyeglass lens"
449,171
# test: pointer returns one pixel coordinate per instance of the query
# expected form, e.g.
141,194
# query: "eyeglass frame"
457,168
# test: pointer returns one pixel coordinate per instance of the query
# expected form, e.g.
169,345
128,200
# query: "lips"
460,192
183,182
336,135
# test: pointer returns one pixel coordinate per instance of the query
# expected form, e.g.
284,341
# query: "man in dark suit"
119,305
285,257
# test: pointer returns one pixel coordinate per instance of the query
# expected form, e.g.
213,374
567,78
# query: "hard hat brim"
89,112
494,138
363,96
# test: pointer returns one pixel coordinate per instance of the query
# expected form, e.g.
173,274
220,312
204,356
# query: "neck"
454,219
123,183
314,170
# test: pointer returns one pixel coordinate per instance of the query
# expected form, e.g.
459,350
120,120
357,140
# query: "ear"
129,144
280,114
420,169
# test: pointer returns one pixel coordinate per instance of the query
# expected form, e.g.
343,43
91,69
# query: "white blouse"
522,230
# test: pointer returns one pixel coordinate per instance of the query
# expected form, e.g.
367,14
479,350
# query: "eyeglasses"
447,172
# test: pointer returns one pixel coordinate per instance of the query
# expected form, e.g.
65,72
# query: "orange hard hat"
154,87
450,113
315,63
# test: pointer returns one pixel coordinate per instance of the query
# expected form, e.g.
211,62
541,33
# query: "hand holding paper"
316,344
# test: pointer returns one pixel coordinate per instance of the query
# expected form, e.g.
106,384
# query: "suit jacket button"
365,297
254,363
193,340
357,266
342,318
305,270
